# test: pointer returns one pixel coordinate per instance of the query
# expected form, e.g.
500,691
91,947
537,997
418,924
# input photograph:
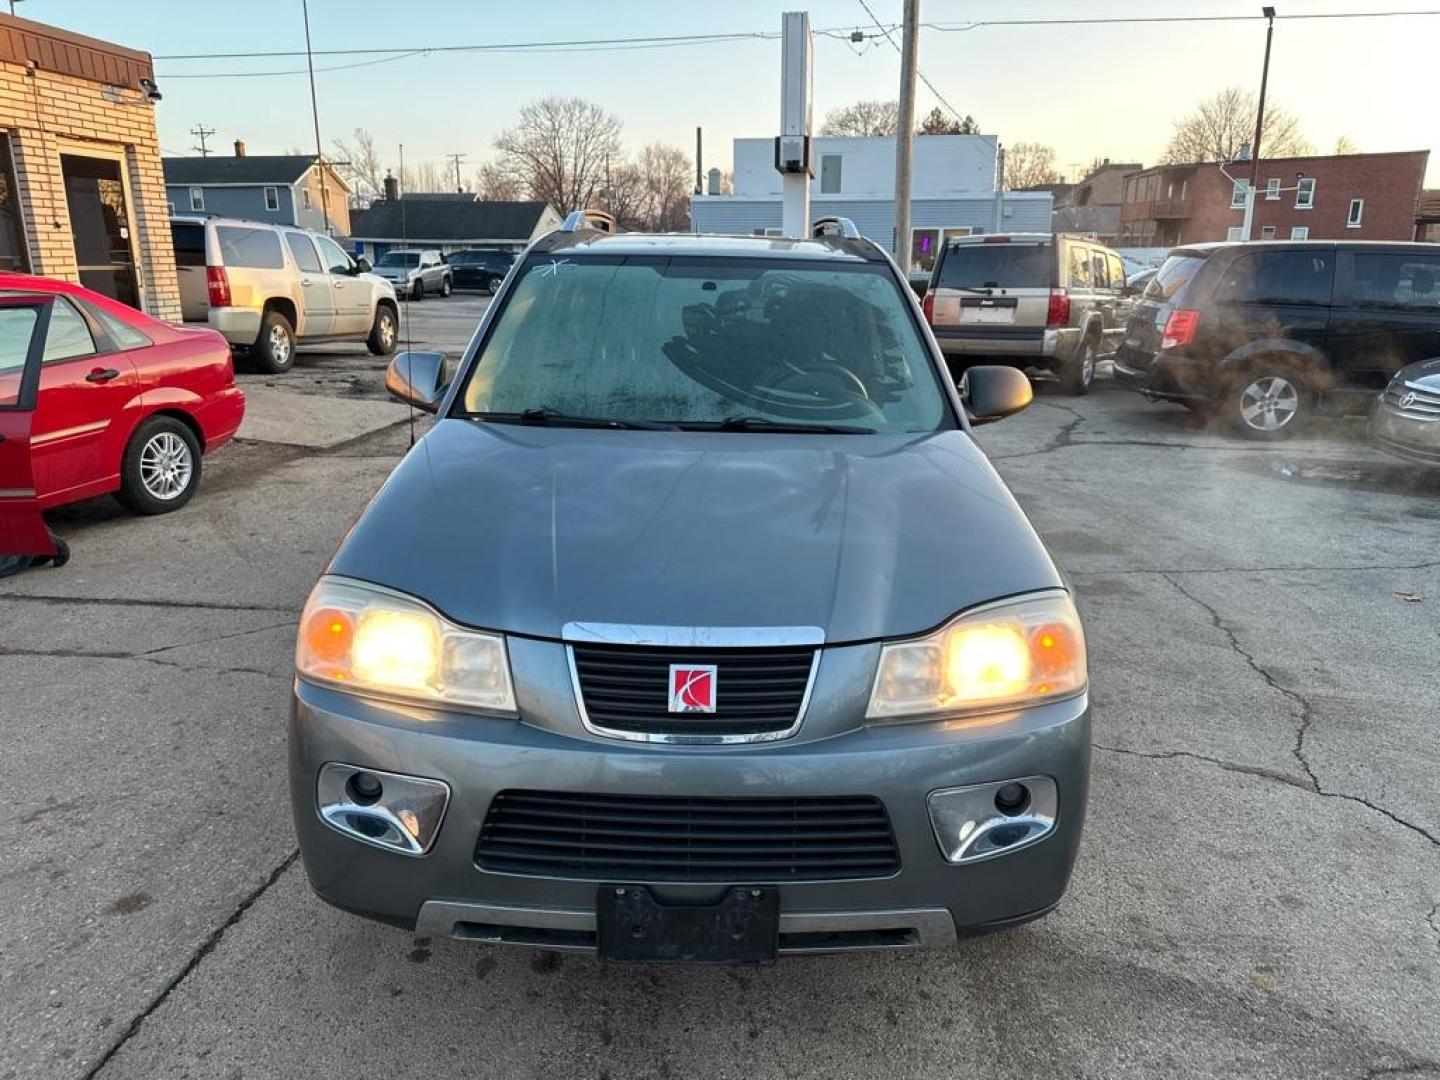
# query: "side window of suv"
1117,270
1080,277
1403,282
335,260
1279,277
1100,270
304,252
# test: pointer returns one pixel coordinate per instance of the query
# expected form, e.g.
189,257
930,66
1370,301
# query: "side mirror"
362,265
417,378
991,393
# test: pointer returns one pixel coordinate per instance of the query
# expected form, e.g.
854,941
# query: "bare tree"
667,184
863,118
560,147
496,181
358,163
937,123
1222,123
1028,165
425,176
623,195
1346,145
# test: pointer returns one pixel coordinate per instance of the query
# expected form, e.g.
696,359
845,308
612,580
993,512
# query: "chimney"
712,182
392,187
239,147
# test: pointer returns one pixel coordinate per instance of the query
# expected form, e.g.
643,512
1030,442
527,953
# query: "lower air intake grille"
640,838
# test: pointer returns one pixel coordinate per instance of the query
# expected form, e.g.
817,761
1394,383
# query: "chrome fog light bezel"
405,816
966,819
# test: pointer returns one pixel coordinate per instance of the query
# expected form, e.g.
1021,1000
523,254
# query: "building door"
100,226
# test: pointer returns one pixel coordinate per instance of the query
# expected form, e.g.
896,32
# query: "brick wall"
50,114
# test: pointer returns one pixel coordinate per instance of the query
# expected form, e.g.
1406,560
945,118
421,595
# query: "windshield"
400,259
702,341
997,265
1171,277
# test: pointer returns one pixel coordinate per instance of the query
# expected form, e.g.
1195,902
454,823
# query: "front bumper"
1408,437
928,901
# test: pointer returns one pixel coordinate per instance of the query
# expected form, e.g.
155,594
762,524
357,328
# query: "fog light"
389,810
982,821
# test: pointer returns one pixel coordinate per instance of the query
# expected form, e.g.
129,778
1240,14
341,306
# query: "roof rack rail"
588,219
835,226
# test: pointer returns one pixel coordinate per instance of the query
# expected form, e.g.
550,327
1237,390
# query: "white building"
952,191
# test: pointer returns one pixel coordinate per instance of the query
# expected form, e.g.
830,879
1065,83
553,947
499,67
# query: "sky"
1089,91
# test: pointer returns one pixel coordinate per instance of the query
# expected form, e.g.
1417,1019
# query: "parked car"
1047,303
1263,334
414,273
267,287
1405,419
480,268
96,398
766,658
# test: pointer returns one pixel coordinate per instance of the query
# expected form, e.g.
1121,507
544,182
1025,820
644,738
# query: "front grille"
758,691
1424,404
641,838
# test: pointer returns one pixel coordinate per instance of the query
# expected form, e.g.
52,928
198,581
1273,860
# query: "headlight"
362,637
1016,652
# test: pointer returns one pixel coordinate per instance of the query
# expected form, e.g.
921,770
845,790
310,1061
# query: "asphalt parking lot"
1257,895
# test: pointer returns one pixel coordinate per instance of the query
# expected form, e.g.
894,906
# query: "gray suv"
414,273
1051,304
697,628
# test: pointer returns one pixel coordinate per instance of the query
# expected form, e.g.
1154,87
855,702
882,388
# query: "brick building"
1346,197
82,194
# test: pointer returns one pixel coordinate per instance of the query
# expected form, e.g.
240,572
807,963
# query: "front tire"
417,292
445,286
1077,374
384,332
160,469
1268,402
274,350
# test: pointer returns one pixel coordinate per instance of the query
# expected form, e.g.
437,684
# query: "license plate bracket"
742,927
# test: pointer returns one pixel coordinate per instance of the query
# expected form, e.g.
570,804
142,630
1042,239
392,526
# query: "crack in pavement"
80,654
214,638
1305,720
1219,763
1430,918
1164,571
204,950
1062,438
120,601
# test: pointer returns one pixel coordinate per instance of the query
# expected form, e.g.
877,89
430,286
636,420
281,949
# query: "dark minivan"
480,268
1264,333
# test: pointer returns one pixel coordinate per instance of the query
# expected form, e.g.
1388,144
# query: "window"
1305,193
118,330
1233,233
1400,282
1357,211
1267,232
69,334
305,199
830,174
1172,275
197,198
924,244
692,341
13,252
1080,273
189,242
1009,266
1300,232
1117,271
334,259
1272,188
1099,270
1237,194
17,326
303,251
1278,277
257,249
272,199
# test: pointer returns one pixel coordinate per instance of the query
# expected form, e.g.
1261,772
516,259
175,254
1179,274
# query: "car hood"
526,529
1425,374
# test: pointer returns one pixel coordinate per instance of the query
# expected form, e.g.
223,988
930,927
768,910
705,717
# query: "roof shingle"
250,169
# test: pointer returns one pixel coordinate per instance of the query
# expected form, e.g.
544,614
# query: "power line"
201,132
1097,20
890,38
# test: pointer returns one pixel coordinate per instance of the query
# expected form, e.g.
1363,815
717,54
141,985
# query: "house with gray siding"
953,192
283,189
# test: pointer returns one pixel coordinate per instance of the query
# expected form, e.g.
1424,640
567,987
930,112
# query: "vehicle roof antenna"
405,243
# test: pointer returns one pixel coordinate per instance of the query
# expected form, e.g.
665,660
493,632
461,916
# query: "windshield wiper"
554,418
988,289
761,423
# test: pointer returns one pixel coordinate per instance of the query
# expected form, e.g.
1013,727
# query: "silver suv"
1049,303
267,287
762,659
416,272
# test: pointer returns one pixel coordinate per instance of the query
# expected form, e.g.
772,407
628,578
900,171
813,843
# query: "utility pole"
201,132
905,133
456,159
1269,13
315,115
792,146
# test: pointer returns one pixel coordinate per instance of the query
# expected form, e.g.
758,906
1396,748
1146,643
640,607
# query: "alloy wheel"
166,466
279,344
1269,403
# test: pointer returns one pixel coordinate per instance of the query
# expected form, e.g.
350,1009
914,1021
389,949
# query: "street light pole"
1269,13
905,134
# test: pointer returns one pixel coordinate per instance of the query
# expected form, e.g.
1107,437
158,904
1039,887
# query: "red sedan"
96,397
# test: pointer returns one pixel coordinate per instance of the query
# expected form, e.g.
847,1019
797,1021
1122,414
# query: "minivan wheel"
1077,374
274,350
160,468
1268,402
383,332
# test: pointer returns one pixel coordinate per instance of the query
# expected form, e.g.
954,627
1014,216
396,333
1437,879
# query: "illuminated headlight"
363,638
1012,653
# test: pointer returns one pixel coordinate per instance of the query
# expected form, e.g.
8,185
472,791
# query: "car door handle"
102,375
307,281
339,284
